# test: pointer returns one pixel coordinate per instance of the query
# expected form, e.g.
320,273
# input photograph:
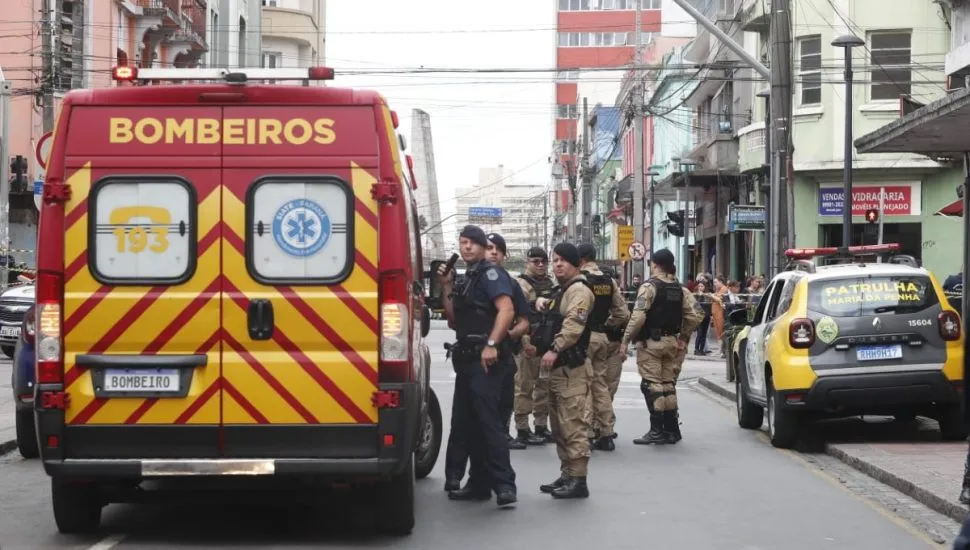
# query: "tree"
422,222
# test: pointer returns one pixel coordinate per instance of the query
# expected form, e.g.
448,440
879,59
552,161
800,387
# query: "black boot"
541,437
452,483
604,443
655,436
470,492
965,495
548,488
521,440
575,487
671,427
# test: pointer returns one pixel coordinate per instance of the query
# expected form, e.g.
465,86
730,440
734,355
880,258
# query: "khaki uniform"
568,386
599,403
531,392
659,362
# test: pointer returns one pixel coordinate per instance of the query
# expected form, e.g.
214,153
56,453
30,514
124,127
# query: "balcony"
755,16
751,148
296,25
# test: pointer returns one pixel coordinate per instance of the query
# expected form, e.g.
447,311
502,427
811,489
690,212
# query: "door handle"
260,319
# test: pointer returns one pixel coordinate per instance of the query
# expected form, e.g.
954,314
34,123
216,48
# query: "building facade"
293,33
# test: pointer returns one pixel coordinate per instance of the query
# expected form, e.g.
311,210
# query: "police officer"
532,392
563,340
497,254
609,312
481,312
664,316
616,355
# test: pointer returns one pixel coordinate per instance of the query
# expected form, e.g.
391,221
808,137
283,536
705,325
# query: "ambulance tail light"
48,330
949,325
801,333
395,364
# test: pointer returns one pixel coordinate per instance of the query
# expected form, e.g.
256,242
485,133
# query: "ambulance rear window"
879,295
300,230
142,230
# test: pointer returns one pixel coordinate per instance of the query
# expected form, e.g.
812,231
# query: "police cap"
587,252
664,259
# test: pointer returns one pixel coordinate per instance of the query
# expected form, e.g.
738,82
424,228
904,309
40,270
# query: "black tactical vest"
544,289
602,287
474,317
551,324
666,313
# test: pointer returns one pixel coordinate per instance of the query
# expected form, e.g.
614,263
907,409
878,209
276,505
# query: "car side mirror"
739,317
425,321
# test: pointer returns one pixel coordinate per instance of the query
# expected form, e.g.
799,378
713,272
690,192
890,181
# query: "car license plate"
879,353
10,332
142,380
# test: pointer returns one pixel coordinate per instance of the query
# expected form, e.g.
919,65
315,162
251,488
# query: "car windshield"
873,295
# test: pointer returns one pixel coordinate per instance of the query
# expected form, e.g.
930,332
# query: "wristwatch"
490,343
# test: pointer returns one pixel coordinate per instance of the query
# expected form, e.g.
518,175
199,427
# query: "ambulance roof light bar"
234,76
863,250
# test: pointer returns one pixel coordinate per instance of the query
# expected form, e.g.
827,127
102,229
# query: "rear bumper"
148,451
875,392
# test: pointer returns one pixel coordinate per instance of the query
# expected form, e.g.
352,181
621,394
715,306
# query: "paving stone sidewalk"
907,456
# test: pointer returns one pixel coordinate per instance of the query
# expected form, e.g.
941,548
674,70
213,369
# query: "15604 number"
920,322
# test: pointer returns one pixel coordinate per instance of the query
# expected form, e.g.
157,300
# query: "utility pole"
545,223
584,173
5,89
637,94
781,104
47,81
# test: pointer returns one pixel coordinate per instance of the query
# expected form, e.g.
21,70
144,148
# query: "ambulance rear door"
142,283
300,302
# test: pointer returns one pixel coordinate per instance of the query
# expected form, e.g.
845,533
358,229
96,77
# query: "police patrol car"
849,339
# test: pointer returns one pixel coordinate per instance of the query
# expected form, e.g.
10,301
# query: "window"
810,69
726,7
272,60
875,295
567,76
890,60
566,111
299,230
271,3
647,4
143,231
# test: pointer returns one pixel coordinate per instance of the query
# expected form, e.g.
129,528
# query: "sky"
477,120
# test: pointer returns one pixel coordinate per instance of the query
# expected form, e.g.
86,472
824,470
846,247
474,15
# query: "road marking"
108,542
725,406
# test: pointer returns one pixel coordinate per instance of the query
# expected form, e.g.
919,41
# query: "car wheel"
782,424
77,506
952,427
429,440
750,415
394,505
8,351
26,434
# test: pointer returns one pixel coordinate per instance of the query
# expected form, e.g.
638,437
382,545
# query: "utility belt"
572,358
656,334
615,334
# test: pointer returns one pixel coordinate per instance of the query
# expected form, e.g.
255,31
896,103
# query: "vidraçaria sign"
899,199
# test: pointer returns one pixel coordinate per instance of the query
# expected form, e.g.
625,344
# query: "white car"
14,303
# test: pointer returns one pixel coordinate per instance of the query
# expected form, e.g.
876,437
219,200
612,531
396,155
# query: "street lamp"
847,42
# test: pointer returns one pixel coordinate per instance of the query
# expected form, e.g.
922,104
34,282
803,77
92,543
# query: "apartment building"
517,208
293,33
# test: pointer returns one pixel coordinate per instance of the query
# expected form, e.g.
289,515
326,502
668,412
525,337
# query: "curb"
7,446
952,510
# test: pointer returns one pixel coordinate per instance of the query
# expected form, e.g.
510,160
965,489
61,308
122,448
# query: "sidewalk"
8,436
908,457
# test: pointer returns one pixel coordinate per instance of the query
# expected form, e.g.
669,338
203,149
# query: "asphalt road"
722,487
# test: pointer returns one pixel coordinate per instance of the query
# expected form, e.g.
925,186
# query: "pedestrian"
563,340
496,253
609,312
481,312
705,299
531,392
663,318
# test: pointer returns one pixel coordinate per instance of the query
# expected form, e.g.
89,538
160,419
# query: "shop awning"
704,178
955,208
936,130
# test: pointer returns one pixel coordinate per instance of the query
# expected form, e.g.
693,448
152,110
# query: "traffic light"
872,215
18,173
675,225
